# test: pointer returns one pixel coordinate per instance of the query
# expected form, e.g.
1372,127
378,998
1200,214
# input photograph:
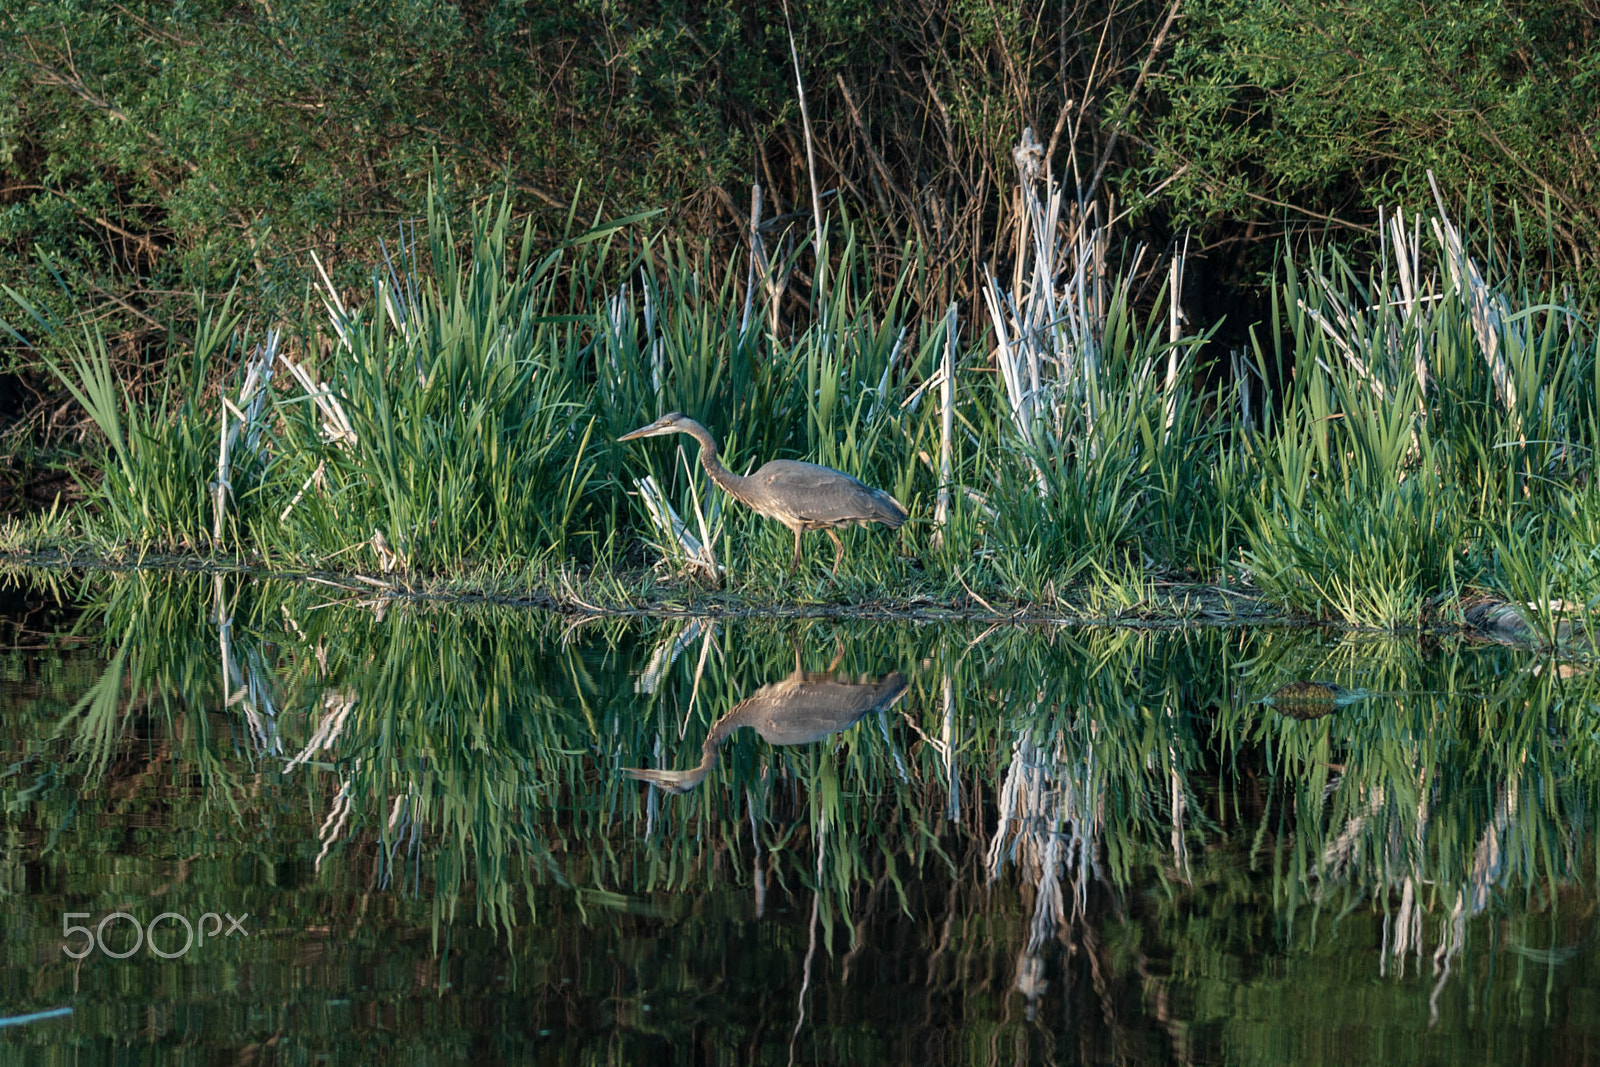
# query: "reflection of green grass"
481,752
492,730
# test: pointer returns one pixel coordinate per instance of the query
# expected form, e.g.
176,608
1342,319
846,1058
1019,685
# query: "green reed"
1119,467
465,441
158,474
1414,427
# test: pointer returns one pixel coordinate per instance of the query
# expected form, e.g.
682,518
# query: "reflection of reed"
1473,895
251,689
1376,837
1049,826
338,814
338,703
474,739
666,654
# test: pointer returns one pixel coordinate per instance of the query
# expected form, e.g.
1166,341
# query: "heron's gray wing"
815,494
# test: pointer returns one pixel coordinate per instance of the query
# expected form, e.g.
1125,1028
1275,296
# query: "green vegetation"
1429,432
1337,109
421,363
1433,437
153,151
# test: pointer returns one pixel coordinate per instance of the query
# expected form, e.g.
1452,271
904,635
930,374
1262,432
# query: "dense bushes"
149,151
1306,112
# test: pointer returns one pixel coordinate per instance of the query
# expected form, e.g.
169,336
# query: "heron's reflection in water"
806,706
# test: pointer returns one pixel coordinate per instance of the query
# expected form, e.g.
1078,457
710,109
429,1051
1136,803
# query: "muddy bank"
637,593
1173,604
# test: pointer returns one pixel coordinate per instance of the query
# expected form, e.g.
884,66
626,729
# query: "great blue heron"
806,706
803,496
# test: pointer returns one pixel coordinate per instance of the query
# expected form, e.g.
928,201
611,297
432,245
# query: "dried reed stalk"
699,554
238,416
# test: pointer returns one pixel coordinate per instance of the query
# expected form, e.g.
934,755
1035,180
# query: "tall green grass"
1419,429
159,459
1118,471
467,441
462,412
1429,429
1103,456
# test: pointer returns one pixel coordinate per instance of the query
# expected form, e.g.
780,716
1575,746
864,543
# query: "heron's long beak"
652,430
670,781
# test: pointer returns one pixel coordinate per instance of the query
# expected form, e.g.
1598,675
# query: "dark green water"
1032,846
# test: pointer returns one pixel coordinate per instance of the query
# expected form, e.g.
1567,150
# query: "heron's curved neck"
708,750
712,461
723,727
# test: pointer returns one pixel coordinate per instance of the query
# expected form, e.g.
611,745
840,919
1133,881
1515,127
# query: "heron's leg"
794,566
838,550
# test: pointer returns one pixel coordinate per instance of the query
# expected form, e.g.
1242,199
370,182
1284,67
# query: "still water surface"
346,832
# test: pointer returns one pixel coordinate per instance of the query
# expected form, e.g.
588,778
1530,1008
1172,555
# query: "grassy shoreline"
1170,605
1408,434
642,593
